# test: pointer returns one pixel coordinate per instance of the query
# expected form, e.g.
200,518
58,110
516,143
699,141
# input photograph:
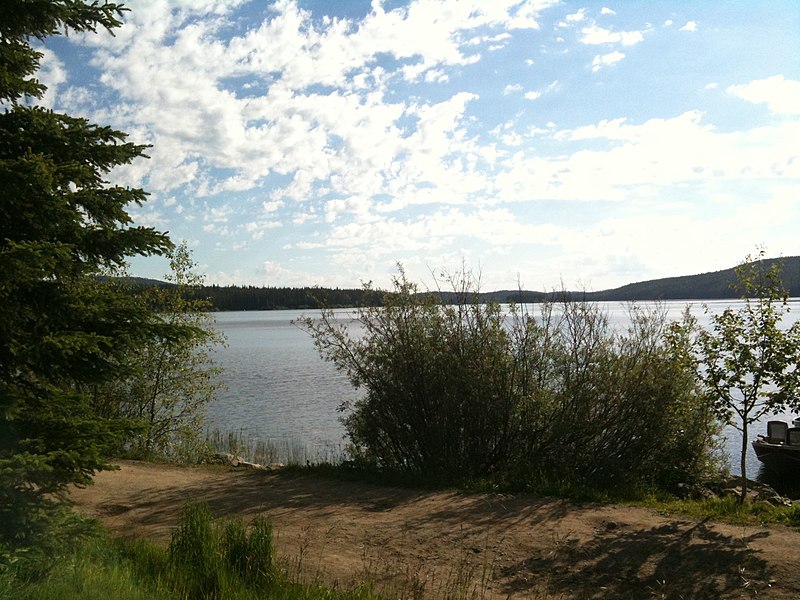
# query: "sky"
535,143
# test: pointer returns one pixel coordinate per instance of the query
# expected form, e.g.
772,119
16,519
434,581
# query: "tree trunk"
744,464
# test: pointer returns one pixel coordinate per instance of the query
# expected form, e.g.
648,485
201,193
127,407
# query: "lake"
278,389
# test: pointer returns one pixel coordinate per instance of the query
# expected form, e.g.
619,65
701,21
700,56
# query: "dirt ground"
413,543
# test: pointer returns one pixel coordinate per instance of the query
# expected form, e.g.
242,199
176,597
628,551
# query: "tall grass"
266,451
207,559
90,569
213,560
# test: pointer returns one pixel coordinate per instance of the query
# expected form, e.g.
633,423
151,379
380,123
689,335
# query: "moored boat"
780,448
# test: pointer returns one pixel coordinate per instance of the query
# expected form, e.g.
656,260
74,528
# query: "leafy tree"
169,381
61,224
747,361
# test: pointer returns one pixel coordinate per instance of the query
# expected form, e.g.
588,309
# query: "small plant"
196,564
251,556
207,558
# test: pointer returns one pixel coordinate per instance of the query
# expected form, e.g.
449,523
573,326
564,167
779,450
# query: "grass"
92,568
206,559
727,509
286,451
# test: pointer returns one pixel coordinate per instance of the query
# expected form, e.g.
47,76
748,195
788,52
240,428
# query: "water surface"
277,387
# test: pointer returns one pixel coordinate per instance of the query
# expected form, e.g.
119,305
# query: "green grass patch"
90,569
207,559
727,509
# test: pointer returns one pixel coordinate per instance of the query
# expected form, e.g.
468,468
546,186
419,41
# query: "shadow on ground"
674,560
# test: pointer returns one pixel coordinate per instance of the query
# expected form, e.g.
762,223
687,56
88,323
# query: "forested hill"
706,286
277,298
718,285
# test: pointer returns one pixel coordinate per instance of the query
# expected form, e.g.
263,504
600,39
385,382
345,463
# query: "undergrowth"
728,509
206,559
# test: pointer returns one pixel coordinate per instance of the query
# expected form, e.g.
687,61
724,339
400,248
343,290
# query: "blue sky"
321,143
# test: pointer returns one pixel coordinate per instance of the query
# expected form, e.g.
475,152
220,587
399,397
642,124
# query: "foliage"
232,297
39,19
747,361
438,389
61,224
468,391
98,567
609,408
206,558
169,381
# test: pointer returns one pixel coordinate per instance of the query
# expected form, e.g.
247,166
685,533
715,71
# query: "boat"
780,448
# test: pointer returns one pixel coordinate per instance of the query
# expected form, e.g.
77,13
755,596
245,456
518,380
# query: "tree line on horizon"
717,285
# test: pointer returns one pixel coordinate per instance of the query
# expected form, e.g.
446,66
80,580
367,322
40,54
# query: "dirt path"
446,543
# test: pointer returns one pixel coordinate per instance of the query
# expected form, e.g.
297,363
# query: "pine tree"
61,225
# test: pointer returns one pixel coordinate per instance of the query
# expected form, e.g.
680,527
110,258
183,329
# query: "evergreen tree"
61,224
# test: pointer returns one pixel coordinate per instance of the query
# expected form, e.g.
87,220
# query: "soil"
415,543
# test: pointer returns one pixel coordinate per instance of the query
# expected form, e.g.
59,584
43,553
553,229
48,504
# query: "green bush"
468,390
610,408
251,556
439,386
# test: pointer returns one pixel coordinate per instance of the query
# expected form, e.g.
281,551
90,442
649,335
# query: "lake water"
278,389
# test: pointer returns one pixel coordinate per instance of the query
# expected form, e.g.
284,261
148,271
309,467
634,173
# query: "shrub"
438,379
469,390
251,556
610,408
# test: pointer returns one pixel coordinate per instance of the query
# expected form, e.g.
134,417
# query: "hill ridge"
714,285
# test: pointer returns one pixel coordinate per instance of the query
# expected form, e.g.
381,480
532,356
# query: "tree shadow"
674,560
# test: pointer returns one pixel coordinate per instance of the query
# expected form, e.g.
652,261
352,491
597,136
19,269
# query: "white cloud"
638,160
271,206
511,88
52,74
304,246
604,60
607,11
355,204
274,273
532,95
219,214
669,23
690,26
577,17
595,35
779,94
